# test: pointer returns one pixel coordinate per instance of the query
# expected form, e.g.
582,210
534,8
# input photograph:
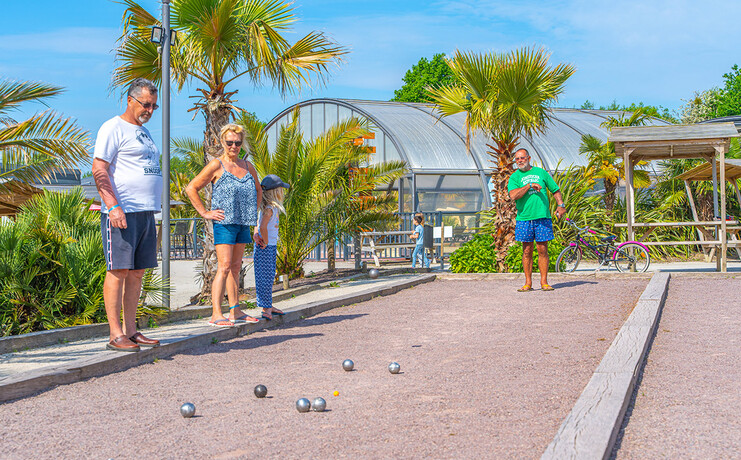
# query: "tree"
506,96
655,111
218,42
606,164
703,106
425,74
729,100
324,198
34,148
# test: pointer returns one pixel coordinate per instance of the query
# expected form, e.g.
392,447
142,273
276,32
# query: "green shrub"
514,257
475,256
52,266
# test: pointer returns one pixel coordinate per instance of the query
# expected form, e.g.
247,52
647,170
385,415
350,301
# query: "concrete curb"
27,383
591,428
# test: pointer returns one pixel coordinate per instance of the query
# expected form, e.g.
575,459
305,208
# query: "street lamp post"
166,42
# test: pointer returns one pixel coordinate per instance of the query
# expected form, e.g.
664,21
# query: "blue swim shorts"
539,230
232,234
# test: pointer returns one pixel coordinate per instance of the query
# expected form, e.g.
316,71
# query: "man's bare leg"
132,289
112,298
543,262
527,262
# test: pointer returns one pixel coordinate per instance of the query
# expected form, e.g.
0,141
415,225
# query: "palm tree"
604,161
218,42
34,148
328,196
506,96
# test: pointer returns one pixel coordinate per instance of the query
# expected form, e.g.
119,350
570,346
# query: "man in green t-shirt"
526,186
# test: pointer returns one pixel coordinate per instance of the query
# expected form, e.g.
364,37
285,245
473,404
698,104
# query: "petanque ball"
261,391
372,273
394,368
348,365
303,405
188,410
319,405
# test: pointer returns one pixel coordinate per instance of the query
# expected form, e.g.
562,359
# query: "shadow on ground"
568,284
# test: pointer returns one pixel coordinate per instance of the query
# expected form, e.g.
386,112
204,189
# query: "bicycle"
627,256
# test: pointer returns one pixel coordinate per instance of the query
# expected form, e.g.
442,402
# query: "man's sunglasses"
147,106
230,143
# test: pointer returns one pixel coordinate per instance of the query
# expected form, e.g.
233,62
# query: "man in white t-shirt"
126,168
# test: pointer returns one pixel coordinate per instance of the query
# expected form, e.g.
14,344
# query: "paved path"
57,355
688,404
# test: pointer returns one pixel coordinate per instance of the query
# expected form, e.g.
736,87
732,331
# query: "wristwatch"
562,205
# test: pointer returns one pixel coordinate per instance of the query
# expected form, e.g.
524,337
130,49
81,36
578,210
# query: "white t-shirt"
134,168
272,239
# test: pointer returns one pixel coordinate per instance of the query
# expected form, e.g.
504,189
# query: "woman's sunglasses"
230,143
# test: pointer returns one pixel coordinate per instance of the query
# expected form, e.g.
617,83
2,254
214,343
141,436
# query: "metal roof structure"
445,174
416,133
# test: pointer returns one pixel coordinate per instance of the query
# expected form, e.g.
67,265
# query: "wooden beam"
723,217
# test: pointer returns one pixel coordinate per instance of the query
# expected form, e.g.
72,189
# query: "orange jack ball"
336,393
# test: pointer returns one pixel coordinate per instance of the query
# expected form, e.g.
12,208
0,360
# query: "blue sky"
655,51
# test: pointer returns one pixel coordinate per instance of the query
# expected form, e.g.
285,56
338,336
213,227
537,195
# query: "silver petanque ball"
372,273
303,405
188,410
348,365
394,368
319,405
261,391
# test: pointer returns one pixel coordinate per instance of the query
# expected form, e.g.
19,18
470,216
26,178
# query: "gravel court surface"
486,372
688,404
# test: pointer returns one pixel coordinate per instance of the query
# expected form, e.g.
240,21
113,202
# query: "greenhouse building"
443,175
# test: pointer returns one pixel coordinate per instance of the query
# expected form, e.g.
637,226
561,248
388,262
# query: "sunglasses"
147,106
230,143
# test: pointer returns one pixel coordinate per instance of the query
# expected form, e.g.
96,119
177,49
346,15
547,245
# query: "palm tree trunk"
330,251
610,193
506,212
217,114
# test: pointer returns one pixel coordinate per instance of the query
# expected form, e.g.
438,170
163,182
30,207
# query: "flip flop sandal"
279,313
547,287
525,288
245,319
266,318
221,323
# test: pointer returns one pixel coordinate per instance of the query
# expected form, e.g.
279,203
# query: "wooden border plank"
591,428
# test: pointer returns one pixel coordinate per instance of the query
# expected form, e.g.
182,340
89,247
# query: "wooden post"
693,207
723,223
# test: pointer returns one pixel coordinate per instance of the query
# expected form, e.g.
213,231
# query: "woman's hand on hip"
215,214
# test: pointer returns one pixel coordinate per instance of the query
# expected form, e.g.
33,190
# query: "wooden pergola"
709,141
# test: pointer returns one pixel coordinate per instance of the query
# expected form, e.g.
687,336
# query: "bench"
377,242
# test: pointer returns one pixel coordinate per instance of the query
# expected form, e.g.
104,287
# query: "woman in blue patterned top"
236,192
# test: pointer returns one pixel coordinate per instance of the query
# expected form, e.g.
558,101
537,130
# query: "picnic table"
708,229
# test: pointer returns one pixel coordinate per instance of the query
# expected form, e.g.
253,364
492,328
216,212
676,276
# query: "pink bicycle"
630,256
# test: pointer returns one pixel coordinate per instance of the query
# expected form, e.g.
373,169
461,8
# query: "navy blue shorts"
232,234
133,247
539,230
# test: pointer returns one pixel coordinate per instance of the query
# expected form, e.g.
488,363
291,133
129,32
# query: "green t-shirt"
534,205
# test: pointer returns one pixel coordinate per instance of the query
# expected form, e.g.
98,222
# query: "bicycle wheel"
568,260
631,257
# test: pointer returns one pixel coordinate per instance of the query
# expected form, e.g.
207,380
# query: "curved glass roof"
414,133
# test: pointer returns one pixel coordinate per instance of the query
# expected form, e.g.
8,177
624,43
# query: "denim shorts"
232,234
539,230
